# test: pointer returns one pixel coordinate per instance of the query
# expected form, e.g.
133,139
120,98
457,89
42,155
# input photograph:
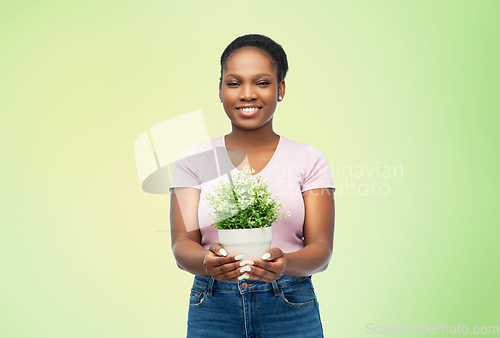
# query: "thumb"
272,254
218,249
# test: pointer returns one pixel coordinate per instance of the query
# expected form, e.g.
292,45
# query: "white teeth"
249,109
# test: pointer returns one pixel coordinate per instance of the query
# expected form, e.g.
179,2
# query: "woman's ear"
281,89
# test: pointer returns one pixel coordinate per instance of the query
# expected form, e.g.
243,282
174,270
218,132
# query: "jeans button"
244,285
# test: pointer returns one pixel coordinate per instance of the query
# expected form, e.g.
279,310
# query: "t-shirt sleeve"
186,171
318,173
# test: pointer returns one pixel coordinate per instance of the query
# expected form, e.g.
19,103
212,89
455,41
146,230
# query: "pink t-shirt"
294,168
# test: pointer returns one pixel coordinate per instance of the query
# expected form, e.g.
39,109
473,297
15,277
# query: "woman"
273,296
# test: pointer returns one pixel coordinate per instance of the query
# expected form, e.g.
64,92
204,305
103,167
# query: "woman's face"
249,90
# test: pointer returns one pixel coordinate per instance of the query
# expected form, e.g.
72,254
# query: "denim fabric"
287,307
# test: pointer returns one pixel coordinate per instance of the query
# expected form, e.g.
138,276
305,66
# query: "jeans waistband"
209,283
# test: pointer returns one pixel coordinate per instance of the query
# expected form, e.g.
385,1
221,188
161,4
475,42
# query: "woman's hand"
268,269
220,265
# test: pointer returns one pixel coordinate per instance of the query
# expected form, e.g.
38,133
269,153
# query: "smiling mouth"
249,110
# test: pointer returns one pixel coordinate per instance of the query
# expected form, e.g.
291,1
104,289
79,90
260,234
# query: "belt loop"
275,288
210,286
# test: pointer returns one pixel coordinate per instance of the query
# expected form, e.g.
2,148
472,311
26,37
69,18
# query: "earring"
280,98
220,100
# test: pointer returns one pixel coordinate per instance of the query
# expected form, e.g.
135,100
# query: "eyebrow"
256,75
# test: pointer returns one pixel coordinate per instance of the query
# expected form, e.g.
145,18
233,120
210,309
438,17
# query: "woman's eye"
232,84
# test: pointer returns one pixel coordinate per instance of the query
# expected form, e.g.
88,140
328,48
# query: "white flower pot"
251,243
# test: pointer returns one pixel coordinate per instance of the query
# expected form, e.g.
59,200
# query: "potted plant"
244,212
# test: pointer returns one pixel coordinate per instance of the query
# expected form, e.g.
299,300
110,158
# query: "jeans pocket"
197,297
298,295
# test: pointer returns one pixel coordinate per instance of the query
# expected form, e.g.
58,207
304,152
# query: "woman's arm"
186,240
184,231
318,242
319,226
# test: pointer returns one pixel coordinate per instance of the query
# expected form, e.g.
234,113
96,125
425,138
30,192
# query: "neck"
256,139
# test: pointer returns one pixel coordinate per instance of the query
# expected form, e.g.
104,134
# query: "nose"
248,93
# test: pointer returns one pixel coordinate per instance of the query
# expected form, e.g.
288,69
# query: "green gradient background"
85,252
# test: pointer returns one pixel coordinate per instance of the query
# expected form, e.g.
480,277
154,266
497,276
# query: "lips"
249,106
248,111
251,109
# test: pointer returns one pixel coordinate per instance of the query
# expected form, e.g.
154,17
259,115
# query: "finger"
257,273
218,249
229,276
246,262
268,271
244,269
224,261
272,254
231,272
241,267
227,264
225,268
215,257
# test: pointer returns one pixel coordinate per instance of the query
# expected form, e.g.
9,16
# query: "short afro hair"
273,50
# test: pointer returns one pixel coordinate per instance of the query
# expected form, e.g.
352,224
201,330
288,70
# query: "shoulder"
315,170
306,151
202,147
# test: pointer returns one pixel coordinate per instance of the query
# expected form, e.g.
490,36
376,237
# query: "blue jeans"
287,307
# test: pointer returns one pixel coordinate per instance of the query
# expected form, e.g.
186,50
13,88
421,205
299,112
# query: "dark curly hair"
273,50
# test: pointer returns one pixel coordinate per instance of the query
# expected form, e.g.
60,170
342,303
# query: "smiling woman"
246,94
272,296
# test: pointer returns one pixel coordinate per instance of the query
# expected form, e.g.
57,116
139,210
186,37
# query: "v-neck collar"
268,163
